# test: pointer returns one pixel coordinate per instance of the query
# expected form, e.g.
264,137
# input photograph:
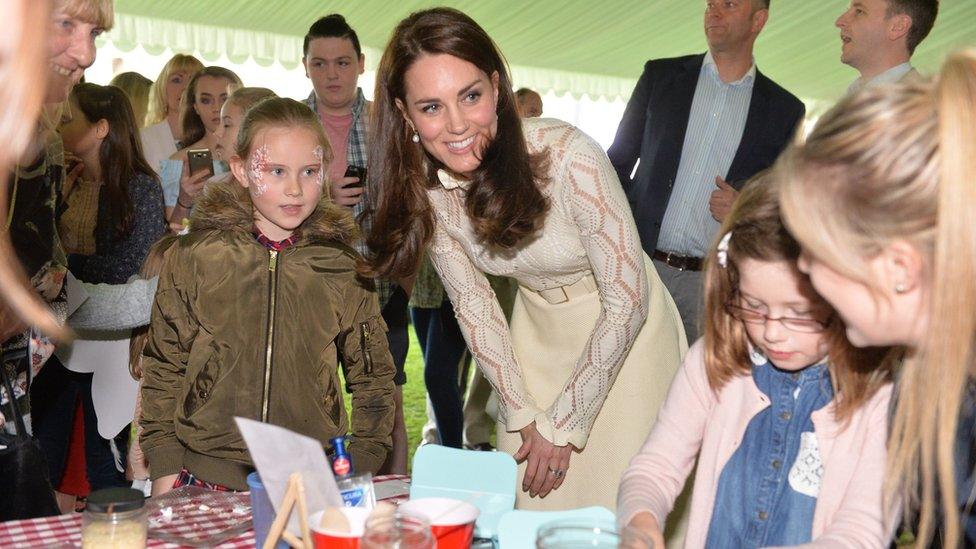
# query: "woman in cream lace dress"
594,338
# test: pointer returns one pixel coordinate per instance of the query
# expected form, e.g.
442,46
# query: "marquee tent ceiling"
594,47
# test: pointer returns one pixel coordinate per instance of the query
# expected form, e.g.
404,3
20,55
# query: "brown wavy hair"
120,153
504,201
758,234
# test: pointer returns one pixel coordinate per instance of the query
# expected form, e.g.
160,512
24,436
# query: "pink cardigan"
849,507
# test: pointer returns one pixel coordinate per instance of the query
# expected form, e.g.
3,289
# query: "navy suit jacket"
653,131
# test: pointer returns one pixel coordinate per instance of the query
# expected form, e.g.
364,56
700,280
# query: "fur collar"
225,205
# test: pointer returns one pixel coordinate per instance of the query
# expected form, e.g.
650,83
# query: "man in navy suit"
700,126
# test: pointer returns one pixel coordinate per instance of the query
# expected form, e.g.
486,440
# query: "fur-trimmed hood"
225,205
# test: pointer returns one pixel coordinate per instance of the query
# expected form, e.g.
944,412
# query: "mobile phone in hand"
200,160
356,171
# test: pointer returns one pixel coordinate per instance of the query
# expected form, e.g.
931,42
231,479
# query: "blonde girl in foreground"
881,198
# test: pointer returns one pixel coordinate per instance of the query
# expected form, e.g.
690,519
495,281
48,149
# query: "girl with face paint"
258,305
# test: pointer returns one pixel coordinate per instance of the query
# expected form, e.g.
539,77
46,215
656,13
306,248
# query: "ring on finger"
558,473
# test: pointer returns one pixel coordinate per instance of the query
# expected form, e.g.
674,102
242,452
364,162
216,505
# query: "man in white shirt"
878,37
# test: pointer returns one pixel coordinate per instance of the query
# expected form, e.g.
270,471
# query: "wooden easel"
295,494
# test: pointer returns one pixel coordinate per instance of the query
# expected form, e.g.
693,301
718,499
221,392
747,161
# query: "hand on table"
646,524
163,484
547,463
720,204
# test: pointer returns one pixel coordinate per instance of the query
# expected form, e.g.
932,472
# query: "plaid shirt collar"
276,245
357,106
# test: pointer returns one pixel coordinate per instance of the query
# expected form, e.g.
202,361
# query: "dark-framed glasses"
752,316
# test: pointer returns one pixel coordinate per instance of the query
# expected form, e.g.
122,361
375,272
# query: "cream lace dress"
595,338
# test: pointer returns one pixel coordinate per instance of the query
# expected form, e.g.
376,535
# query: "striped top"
715,126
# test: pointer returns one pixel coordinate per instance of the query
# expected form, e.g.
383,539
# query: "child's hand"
646,524
163,484
344,193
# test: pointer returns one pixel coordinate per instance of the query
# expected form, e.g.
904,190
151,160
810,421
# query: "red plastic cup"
323,538
451,520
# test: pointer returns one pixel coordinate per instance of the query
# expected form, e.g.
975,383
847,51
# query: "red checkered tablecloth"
65,530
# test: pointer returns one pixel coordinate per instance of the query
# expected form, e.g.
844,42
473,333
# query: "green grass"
414,396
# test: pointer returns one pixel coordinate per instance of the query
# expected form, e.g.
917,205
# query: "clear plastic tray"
198,517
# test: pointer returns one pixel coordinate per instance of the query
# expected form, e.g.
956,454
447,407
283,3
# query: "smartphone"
200,160
356,171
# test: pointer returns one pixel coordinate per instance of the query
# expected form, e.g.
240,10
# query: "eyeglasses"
752,316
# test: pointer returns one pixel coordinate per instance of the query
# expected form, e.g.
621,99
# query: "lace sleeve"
590,192
484,327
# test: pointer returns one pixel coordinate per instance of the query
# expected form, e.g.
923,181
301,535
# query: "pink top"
695,422
337,130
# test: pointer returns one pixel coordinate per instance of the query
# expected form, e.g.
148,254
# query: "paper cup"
323,538
451,520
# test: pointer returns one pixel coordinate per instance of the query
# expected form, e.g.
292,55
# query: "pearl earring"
900,288
416,137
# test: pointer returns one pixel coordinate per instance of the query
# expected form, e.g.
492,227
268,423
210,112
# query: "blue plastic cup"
262,512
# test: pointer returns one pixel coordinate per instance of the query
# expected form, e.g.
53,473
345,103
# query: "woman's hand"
163,484
191,185
646,524
547,463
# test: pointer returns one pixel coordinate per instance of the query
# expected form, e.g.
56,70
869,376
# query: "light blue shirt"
715,126
170,172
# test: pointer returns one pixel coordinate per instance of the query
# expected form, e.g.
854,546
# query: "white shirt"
893,74
158,144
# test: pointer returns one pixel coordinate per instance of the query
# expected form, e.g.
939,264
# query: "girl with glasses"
787,420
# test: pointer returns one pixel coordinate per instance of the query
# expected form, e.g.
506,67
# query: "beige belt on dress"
562,294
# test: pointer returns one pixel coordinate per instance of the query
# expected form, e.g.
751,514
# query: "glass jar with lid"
115,518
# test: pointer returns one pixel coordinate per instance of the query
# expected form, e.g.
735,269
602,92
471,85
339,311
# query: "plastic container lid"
115,500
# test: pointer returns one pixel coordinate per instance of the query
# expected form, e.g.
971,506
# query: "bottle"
341,462
356,490
115,518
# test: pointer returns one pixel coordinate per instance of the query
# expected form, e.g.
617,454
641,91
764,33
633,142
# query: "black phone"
200,160
355,171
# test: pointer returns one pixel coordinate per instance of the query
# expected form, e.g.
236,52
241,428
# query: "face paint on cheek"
260,160
320,157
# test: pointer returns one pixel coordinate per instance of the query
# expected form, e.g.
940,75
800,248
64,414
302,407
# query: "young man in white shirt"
878,37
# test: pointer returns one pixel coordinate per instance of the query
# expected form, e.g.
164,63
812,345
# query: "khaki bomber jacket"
241,330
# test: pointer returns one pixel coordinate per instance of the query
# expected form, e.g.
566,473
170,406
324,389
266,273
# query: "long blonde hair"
158,109
23,80
897,163
136,88
757,233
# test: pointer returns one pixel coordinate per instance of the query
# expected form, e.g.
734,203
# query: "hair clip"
723,250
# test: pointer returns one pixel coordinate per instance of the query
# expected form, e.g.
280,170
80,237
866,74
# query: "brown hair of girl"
504,201
120,154
758,234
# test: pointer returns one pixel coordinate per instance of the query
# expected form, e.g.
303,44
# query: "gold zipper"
364,344
272,294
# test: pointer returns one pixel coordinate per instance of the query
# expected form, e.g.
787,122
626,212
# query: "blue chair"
484,479
517,529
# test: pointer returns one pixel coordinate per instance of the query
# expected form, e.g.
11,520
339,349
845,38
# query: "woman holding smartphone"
203,97
595,338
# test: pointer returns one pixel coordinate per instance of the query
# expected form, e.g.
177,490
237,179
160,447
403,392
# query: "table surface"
65,530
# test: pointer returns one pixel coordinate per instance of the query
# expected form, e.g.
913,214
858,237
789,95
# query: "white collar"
894,74
748,77
450,182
